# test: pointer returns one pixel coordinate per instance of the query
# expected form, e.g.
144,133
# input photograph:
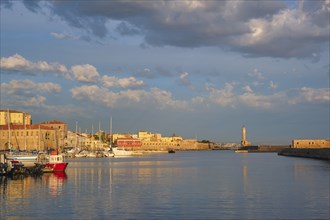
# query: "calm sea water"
184,185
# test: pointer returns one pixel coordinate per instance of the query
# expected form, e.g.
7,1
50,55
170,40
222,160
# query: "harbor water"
184,185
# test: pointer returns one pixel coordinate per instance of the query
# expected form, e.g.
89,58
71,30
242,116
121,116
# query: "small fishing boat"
52,162
171,151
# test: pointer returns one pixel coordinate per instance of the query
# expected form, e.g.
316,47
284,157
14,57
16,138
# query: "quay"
315,153
261,149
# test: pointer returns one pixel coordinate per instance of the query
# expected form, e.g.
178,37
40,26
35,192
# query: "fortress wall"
310,143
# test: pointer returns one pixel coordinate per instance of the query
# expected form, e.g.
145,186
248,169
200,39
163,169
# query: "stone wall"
315,153
310,143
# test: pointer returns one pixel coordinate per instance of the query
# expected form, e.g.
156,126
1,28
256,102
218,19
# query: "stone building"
61,131
128,143
310,144
14,117
27,137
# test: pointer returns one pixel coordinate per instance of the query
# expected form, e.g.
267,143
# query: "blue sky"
194,68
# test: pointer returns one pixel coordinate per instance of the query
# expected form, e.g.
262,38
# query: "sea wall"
316,153
263,148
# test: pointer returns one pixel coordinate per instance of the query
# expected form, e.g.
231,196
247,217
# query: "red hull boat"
52,163
56,167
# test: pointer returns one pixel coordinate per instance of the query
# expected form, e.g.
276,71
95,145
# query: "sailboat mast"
24,131
110,131
99,134
39,138
76,136
8,124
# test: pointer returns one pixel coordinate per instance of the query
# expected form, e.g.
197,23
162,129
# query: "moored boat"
28,160
52,162
122,152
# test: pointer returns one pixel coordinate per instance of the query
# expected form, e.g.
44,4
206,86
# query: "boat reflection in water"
55,182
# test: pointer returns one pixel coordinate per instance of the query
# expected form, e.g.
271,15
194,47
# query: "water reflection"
189,185
55,182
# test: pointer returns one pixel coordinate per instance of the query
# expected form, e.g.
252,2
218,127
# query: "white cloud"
184,79
156,97
59,35
247,89
261,101
273,85
256,74
129,82
164,99
28,86
226,97
223,97
19,63
289,33
311,95
38,101
85,73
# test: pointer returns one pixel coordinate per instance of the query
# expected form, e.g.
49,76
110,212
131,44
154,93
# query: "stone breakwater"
319,153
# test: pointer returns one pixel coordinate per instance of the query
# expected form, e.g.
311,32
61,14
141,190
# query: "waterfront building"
118,136
128,143
61,131
14,117
310,143
27,137
83,141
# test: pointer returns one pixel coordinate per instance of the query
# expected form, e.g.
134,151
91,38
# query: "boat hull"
120,152
57,167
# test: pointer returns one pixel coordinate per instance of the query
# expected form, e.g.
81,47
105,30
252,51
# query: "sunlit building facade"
14,117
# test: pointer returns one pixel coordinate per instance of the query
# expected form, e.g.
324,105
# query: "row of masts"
99,142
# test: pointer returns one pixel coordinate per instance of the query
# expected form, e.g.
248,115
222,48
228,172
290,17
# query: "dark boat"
171,151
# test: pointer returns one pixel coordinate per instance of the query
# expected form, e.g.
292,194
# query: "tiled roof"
22,127
53,122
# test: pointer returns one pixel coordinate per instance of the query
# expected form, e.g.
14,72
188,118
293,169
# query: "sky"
197,69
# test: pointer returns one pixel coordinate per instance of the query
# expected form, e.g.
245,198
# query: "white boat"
81,154
108,153
91,154
28,160
122,152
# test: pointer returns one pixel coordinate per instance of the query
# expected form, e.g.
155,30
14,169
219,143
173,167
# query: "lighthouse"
244,142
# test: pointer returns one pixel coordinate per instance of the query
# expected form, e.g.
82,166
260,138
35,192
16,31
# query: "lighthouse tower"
244,142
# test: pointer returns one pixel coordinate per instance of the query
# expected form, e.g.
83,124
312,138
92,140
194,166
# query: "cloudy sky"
199,69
